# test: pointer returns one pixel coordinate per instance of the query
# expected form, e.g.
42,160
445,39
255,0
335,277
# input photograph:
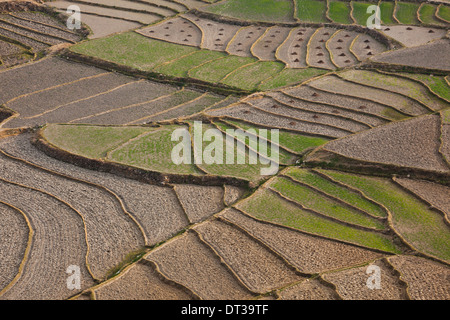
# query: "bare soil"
398,144
177,30
259,269
427,280
188,261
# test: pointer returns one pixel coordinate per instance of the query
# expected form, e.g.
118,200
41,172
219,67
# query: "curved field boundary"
274,251
429,109
257,41
221,251
394,14
437,13
215,261
261,138
71,208
114,195
442,140
42,23
346,118
27,249
344,131
170,109
364,99
26,36
416,80
390,222
153,266
247,146
406,242
118,18
157,77
120,8
329,50
315,235
430,205
122,108
325,216
334,198
352,10
146,176
322,174
217,255
275,127
35,31
430,90
375,115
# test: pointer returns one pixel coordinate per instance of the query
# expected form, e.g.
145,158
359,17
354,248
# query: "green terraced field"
180,67
249,77
265,205
427,14
387,12
423,228
360,12
215,71
132,49
311,10
289,77
310,199
336,190
339,12
291,141
437,84
91,141
284,157
407,12
444,12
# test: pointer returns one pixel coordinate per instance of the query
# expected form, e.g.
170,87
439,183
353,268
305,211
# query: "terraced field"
224,150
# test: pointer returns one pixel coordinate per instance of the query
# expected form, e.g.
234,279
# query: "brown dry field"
141,238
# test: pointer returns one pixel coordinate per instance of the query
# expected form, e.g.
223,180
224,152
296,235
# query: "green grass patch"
180,67
339,12
267,206
152,152
249,77
335,190
387,12
215,71
360,12
427,12
445,114
393,114
315,201
311,10
407,12
90,141
289,77
292,141
437,84
244,169
444,12
284,157
132,49
420,226
255,10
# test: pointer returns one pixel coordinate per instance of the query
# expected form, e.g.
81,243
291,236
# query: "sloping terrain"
224,150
